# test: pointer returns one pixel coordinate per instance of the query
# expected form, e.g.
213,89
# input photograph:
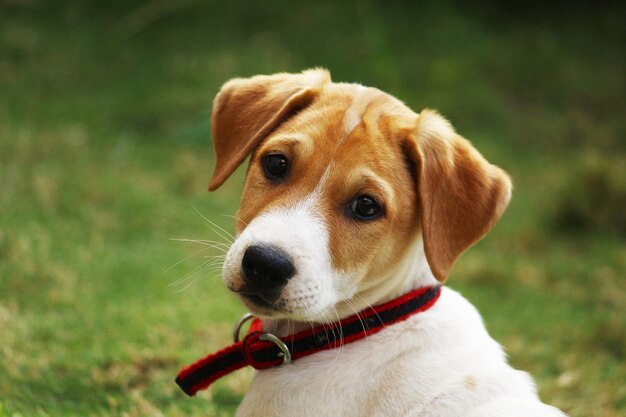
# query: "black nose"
266,268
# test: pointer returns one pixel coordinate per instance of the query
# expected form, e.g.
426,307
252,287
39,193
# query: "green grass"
105,155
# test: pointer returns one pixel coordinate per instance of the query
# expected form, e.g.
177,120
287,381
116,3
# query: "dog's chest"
439,363
351,381
394,372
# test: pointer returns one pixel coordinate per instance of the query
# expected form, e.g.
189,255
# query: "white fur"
315,289
354,113
438,363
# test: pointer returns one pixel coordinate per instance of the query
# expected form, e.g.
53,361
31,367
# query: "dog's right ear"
246,110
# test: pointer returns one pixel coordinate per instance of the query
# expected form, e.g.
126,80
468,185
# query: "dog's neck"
410,273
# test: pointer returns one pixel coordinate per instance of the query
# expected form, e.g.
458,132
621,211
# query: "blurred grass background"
105,155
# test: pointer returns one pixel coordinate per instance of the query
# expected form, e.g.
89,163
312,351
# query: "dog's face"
344,182
331,194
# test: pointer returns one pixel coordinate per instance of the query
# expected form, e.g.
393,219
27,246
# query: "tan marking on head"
320,124
365,178
354,114
369,161
295,142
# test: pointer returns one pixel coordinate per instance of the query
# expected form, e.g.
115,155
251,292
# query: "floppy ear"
461,195
246,110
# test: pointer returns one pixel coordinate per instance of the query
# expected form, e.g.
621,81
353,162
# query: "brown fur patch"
470,382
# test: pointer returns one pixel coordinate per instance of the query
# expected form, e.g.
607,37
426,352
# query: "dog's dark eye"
365,207
275,166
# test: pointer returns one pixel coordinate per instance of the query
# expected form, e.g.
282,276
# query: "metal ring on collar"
285,353
243,320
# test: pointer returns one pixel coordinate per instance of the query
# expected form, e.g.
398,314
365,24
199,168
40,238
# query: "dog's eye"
365,207
275,166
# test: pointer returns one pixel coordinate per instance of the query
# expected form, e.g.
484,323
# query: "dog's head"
345,189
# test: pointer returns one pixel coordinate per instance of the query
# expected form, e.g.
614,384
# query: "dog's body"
438,363
351,200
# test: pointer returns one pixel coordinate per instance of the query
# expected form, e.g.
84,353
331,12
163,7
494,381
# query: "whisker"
356,312
368,305
212,244
186,287
205,269
291,331
308,318
184,259
236,218
217,267
228,236
341,342
211,263
190,273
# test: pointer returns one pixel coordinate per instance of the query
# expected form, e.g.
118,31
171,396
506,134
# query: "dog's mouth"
266,302
258,300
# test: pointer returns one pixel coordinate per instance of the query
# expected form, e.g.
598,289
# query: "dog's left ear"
461,195
246,110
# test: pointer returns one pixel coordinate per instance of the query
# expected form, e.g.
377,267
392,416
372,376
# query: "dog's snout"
266,268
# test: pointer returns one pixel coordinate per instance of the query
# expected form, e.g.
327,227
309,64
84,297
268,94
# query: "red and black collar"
263,350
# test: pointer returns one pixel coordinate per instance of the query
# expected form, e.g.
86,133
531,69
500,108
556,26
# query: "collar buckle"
263,350
285,353
251,344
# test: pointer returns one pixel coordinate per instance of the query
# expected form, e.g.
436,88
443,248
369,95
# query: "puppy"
351,200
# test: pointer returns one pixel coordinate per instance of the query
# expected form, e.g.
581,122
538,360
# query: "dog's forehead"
357,105
346,141
346,117
362,98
